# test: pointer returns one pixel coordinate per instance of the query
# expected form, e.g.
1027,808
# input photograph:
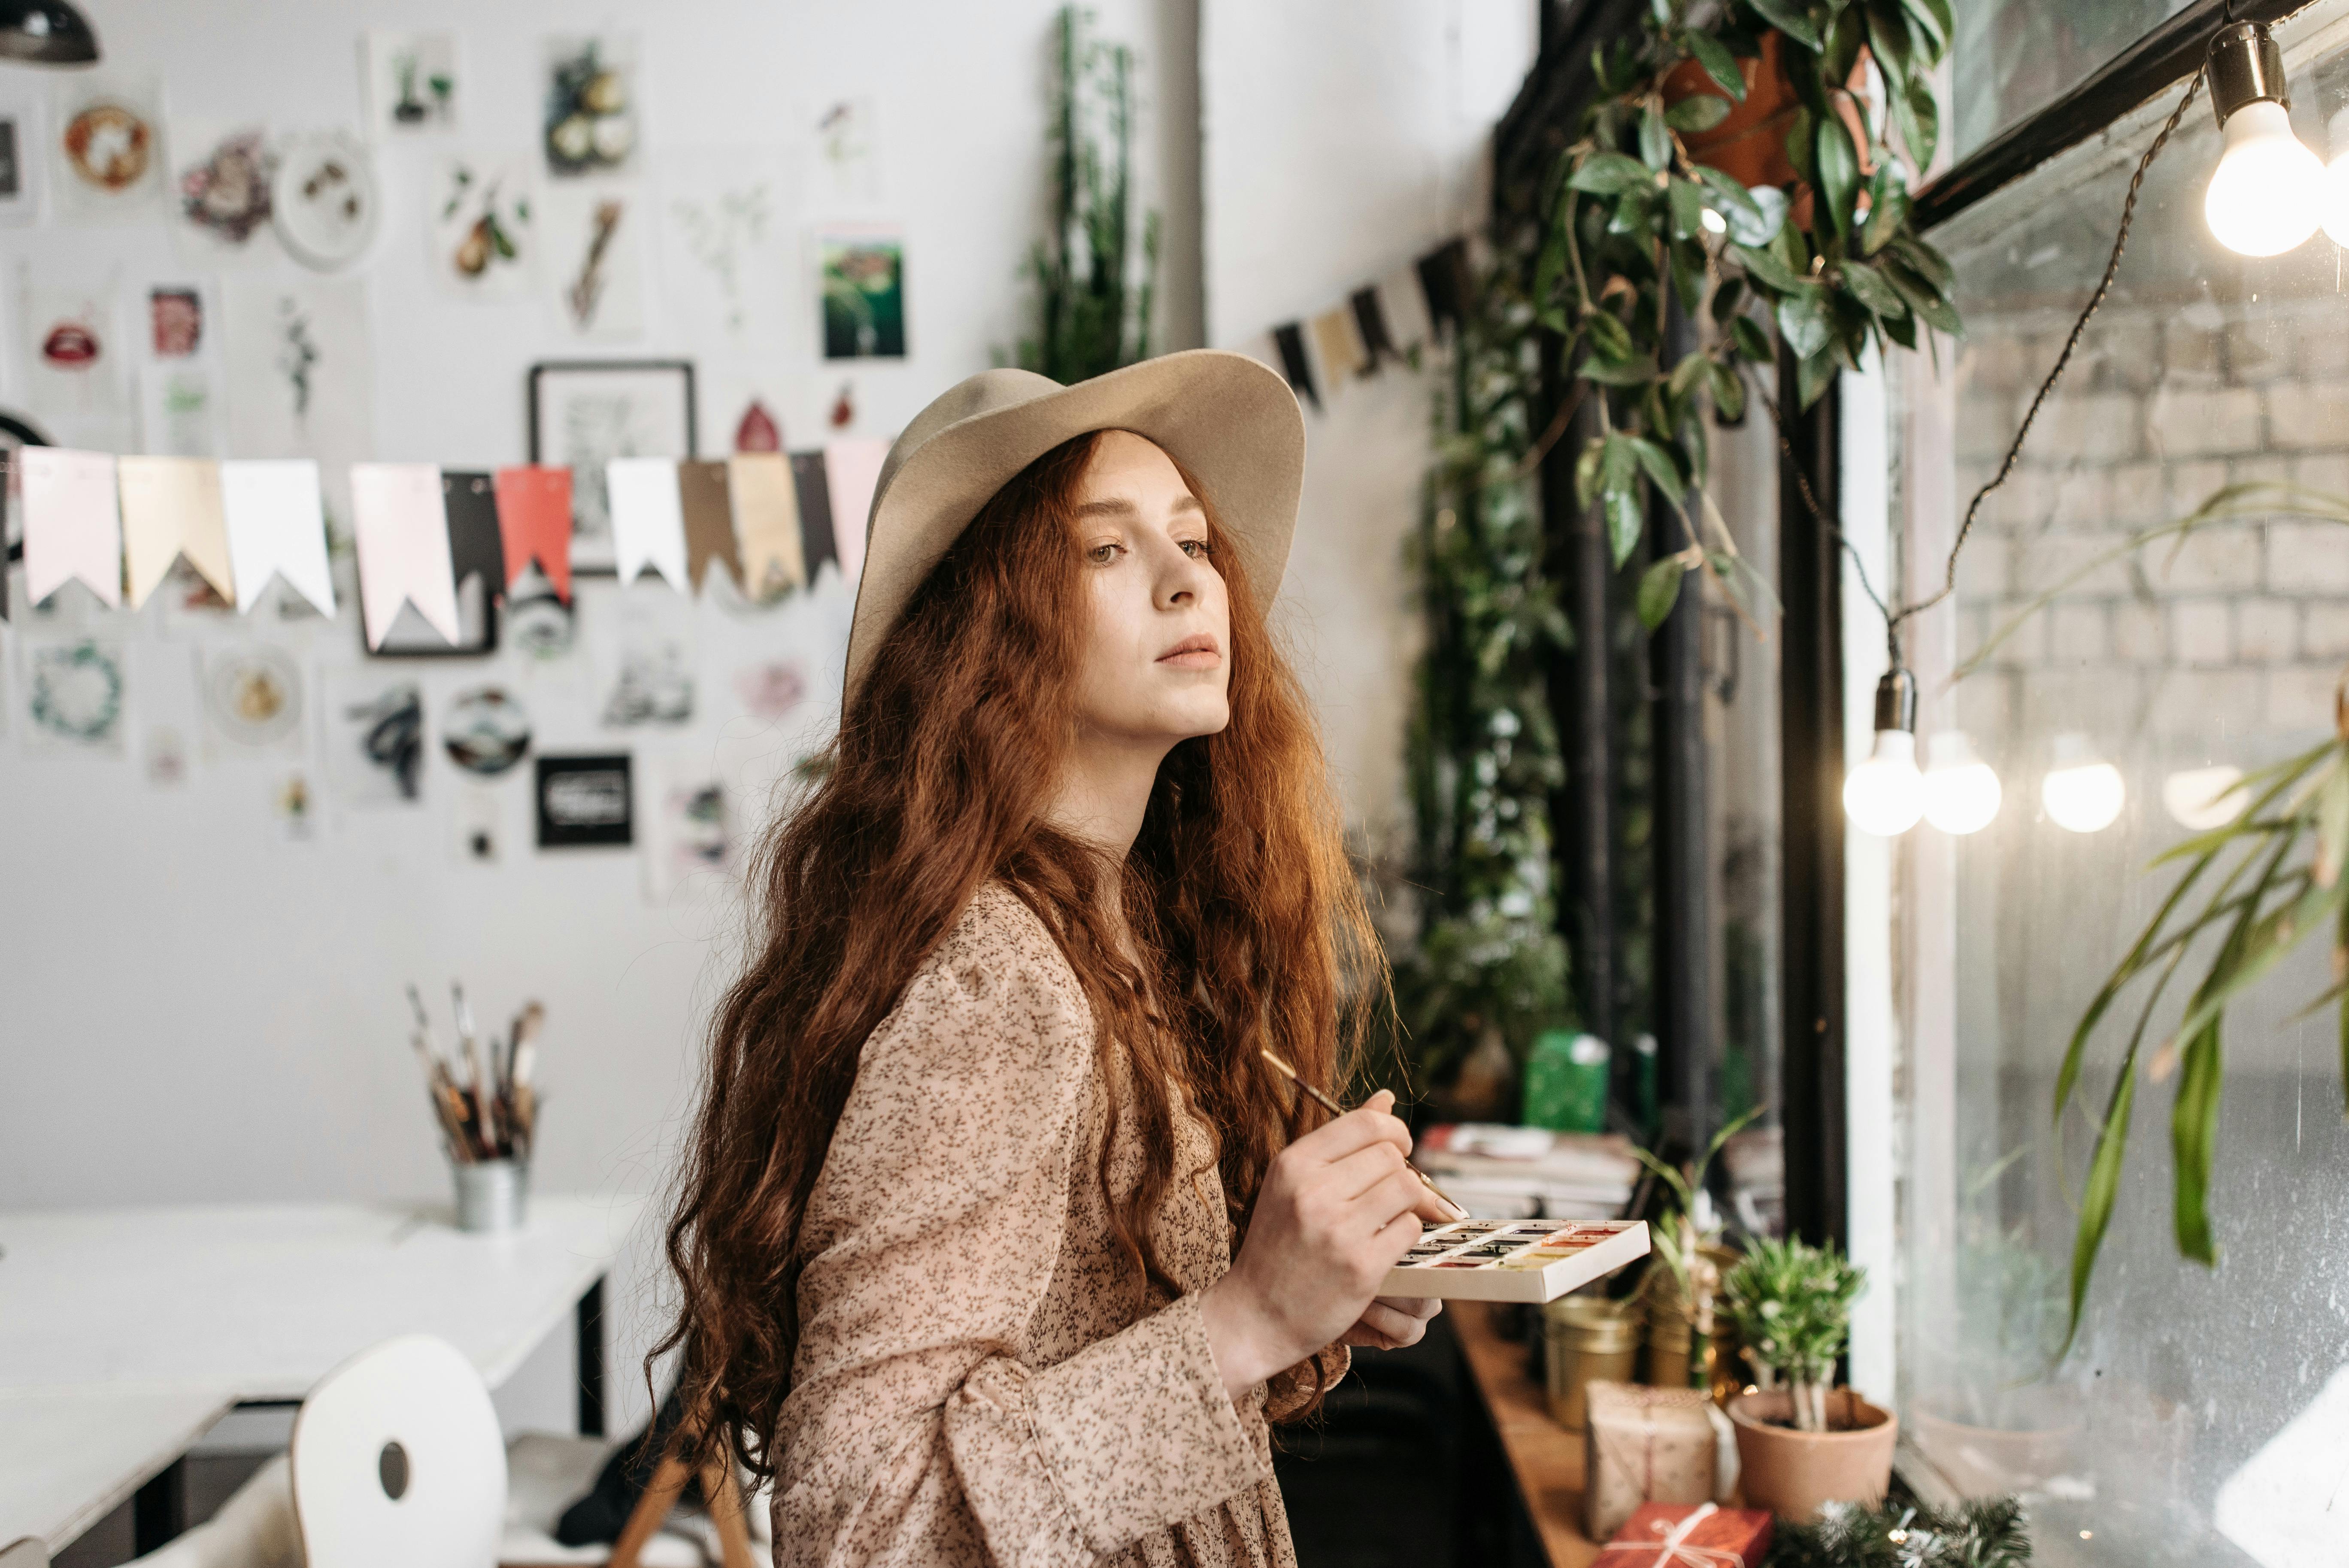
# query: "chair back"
398,1463
27,1552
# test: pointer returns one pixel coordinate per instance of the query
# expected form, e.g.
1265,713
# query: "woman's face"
1158,649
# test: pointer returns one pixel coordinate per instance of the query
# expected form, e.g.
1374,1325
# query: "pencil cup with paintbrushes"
485,1101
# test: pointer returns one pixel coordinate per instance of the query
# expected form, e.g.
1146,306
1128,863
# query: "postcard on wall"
585,413
481,227
107,145
691,838
73,695
252,702
297,351
843,151
325,203
593,237
648,660
374,737
412,82
725,265
861,272
591,122
584,801
77,382
23,167
222,191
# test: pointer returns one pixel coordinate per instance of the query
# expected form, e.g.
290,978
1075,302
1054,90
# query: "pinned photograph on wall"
253,701
225,190
179,410
483,234
690,849
594,240
412,82
645,662
293,809
175,322
73,696
374,739
325,201
109,146
538,621
844,156
770,690
723,263
862,276
591,103
485,731
76,374
476,826
585,413
21,139
584,801
297,352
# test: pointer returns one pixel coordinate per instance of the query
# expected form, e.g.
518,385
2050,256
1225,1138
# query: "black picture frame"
549,384
565,791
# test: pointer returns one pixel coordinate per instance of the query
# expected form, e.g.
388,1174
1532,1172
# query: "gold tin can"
1589,1339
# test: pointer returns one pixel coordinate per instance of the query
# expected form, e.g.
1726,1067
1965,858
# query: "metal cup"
493,1196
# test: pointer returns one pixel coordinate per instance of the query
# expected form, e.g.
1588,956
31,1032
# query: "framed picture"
584,801
862,274
584,413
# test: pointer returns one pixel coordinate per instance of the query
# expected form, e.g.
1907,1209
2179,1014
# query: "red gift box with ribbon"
1682,1535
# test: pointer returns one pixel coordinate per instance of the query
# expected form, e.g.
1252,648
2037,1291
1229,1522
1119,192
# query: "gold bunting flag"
766,524
171,508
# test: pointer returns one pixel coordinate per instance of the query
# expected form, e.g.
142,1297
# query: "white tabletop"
124,1332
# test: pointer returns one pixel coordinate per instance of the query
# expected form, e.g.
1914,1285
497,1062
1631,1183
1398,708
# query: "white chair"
27,1552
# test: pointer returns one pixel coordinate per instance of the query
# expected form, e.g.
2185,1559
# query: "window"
2012,57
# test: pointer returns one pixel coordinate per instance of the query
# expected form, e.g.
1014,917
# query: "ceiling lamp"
1961,792
46,33
2261,200
2082,791
1884,795
2205,798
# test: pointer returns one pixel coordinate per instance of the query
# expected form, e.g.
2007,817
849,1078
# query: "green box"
1566,1082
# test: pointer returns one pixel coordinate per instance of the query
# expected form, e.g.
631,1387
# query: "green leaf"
1691,369
1661,471
1802,145
1789,17
1752,341
1901,329
1920,296
1702,112
1922,128
1728,392
2103,1186
1888,209
2193,1134
2332,826
1686,199
1804,321
1659,590
1655,142
1727,298
1735,198
1610,174
1624,521
1927,262
1551,266
1608,336
1637,371
1585,470
1688,262
1814,375
1718,62
1838,171
1869,287
1888,38
1765,266
1845,33
1935,16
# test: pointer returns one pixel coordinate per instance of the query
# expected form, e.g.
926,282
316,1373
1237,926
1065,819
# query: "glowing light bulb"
2263,199
1714,224
2082,793
2205,798
1962,793
1884,795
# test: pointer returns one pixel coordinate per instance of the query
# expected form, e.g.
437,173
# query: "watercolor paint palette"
1515,1260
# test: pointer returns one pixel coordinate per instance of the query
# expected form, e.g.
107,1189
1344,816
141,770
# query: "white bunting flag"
1402,300
851,468
170,509
402,527
648,519
73,525
276,526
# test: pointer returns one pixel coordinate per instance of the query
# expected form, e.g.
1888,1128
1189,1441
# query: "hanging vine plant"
1801,228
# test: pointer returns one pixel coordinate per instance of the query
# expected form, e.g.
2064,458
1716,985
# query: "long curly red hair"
1248,922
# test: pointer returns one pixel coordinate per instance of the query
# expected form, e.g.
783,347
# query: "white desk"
117,1324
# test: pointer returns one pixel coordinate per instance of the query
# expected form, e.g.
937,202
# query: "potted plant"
1683,1281
1798,1448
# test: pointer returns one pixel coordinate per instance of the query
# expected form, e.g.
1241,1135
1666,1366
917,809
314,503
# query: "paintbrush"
1334,1108
476,1089
522,1065
453,1126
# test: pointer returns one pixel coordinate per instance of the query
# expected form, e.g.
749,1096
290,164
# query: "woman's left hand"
1392,1321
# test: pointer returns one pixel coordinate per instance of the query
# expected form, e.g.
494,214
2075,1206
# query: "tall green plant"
1093,292
1481,751
1791,1304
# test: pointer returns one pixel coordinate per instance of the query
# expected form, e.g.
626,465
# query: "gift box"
1676,1535
1643,1445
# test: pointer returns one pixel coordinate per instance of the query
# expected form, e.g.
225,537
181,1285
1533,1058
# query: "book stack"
1499,1172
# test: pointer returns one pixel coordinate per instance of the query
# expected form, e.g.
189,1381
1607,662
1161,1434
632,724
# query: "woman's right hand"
1338,1207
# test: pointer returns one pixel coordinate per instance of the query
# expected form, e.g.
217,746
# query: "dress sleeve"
912,1433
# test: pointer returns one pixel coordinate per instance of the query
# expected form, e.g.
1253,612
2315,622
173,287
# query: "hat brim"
1230,421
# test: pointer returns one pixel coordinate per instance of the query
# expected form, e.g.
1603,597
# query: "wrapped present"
1675,1535
1643,1445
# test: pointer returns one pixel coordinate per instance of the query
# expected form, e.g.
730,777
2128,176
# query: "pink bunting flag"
73,524
852,469
401,524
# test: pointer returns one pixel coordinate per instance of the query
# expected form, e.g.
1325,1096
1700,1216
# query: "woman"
1000,1240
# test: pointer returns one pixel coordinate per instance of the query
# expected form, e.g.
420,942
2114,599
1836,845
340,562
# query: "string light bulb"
1886,795
2083,792
1962,793
2202,799
2263,199
2333,211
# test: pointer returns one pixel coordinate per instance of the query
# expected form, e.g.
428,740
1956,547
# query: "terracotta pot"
1750,145
1791,1474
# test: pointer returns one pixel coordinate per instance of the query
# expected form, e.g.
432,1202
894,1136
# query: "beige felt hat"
1231,421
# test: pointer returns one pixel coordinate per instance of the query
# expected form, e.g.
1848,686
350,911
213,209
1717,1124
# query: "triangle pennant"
703,493
1402,302
475,549
767,524
1290,338
73,523
276,526
171,508
1339,341
1372,322
648,519
816,545
401,528
852,471
534,523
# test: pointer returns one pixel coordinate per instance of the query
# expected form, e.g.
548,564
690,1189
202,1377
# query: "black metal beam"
1810,585
591,1360
1683,1002
2164,57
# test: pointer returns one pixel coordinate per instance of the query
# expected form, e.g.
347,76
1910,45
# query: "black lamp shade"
46,32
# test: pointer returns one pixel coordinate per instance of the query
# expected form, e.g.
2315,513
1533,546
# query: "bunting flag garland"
852,471
534,523
1289,339
1444,278
171,508
476,548
277,527
705,497
401,528
816,545
1402,304
73,523
648,519
1339,343
767,524
1371,322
